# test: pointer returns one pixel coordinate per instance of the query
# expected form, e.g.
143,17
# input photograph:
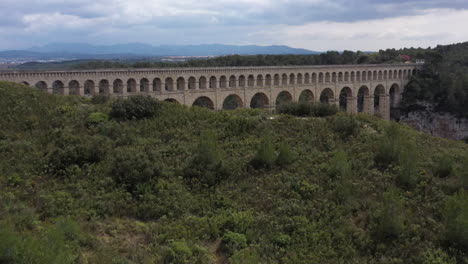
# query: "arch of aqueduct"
357,88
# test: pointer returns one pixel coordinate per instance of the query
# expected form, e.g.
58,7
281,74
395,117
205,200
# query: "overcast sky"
312,24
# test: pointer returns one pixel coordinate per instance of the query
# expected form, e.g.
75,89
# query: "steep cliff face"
438,124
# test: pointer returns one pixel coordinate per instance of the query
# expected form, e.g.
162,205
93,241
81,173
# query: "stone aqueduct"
356,88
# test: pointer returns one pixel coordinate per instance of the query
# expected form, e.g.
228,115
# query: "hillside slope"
80,183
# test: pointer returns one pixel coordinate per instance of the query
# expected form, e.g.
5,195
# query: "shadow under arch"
259,100
204,101
232,102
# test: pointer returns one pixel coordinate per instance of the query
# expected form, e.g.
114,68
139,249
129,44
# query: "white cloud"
430,27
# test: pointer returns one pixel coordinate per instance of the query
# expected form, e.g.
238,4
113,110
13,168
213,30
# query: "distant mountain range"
88,51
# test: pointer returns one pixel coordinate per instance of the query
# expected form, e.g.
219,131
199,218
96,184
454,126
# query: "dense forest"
443,81
141,181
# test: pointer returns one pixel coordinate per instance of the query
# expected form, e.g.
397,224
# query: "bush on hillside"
345,126
408,174
135,108
443,166
100,99
389,147
132,166
456,220
265,156
96,118
232,242
307,109
206,167
389,220
285,155
71,150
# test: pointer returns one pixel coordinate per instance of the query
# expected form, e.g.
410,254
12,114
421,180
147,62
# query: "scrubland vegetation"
139,181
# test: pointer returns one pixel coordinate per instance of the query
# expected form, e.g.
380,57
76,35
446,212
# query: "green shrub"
307,109
408,174
456,220
232,242
178,253
135,107
443,166
131,167
206,167
345,126
389,147
52,247
389,221
72,150
265,156
96,118
285,155
437,256
100,99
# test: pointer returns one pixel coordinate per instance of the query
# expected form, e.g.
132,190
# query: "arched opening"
395,74
292,79
320,78
390,74
340,77
327,96
394,93
277,80
346,77
334,77
192,83
169,84
202,83
369,75
364,76
358,76
232,81
104,87
58,87
385,75
242,81
363,99
117,86
307,78
259,100
25,83
74,88
260,80
232,102
268,80
213,82
42,86
346,100
399,74
157,85
222,82
171,100
205,102
283,97
131,86
379,101
375,76
144,85
284,79
327,77
180,84
306,96
89,87
251,81
299,78
380,75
